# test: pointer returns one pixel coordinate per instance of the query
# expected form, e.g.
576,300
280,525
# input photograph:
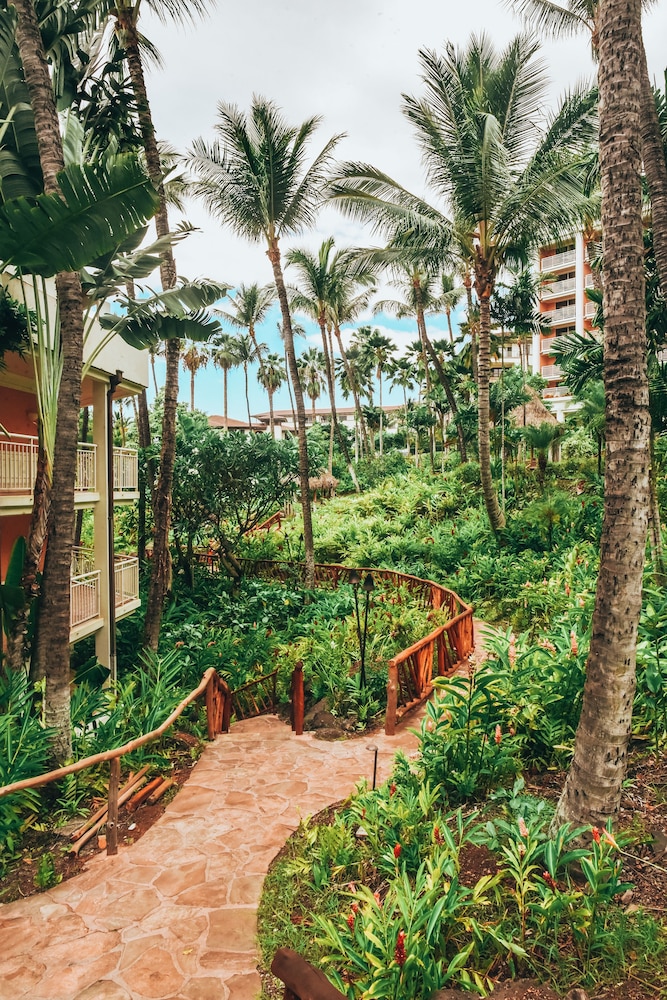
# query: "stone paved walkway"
174,915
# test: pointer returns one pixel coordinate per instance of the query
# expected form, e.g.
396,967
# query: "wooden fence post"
210,710
298,699
301,979
112,815
392,700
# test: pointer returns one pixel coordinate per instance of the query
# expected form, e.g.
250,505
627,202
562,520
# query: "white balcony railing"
84,591
18,465
590,309
555,288
546,344
125,470
557,260
551,371
588,281
564,315
85,585
126,573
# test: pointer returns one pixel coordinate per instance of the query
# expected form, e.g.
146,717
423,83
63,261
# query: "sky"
348,61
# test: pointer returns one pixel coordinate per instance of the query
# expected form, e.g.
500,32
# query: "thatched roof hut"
533,413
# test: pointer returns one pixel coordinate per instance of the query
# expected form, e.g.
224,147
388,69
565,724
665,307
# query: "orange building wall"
15,410
10,529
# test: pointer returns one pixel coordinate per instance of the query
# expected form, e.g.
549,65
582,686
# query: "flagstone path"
173,917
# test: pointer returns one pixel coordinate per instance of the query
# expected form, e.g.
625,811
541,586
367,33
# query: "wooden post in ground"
112,817
392,700
302,980
298,699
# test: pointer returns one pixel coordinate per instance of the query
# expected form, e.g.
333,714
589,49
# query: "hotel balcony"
557,261
86,615
567,314
555,288
551,372
590,309
18,467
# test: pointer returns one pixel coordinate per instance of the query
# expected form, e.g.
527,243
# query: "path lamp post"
368,586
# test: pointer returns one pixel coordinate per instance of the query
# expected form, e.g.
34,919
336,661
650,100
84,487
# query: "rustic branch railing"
411,672
256,697
218,703
302,980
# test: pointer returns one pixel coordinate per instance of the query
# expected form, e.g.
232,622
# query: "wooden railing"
256,697
218,704
302,980
410,672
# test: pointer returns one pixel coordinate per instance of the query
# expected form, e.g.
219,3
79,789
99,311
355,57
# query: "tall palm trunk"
467,284
592,790
655,527
272,426
354,389
427,348
52,652
224,394
655,168
161,562
484,288
247,396
331,388
273,254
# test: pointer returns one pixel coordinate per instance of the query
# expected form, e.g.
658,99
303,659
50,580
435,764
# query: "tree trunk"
355,391
444,382
17,640
272,426
160,566
55,631
273,254
160,582
192,389
592,790
224,394
484,283
467,284
655,527
78,525
655,167
331,386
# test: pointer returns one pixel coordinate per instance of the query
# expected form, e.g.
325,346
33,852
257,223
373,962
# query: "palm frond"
99,207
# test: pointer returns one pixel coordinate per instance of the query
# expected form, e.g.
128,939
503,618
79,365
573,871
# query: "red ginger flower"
350,921
499,735
392,789
523,829
399,954
397,851
595,834
437,836
550,882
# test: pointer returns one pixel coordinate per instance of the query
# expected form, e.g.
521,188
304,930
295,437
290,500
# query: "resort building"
118,371
565,305
285,425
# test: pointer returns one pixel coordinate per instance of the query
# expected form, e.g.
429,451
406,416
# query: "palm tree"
447,298
225,356
317,293
380,349
311,368
592,791
246,354
255,180
193,358
402,375
271,375
416,282
250,307
511,186
126,14
540,439
573,16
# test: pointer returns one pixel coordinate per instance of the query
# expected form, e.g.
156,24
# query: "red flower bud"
392,789
437,836
499,735
595,834
397,851
399,954
350,921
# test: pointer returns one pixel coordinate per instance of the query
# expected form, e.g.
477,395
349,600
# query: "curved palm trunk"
331,388
53,642
355,392
309,550
161,563
448,314
655,527
655,167
467,284
592,790
484,283
427,346
272,427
